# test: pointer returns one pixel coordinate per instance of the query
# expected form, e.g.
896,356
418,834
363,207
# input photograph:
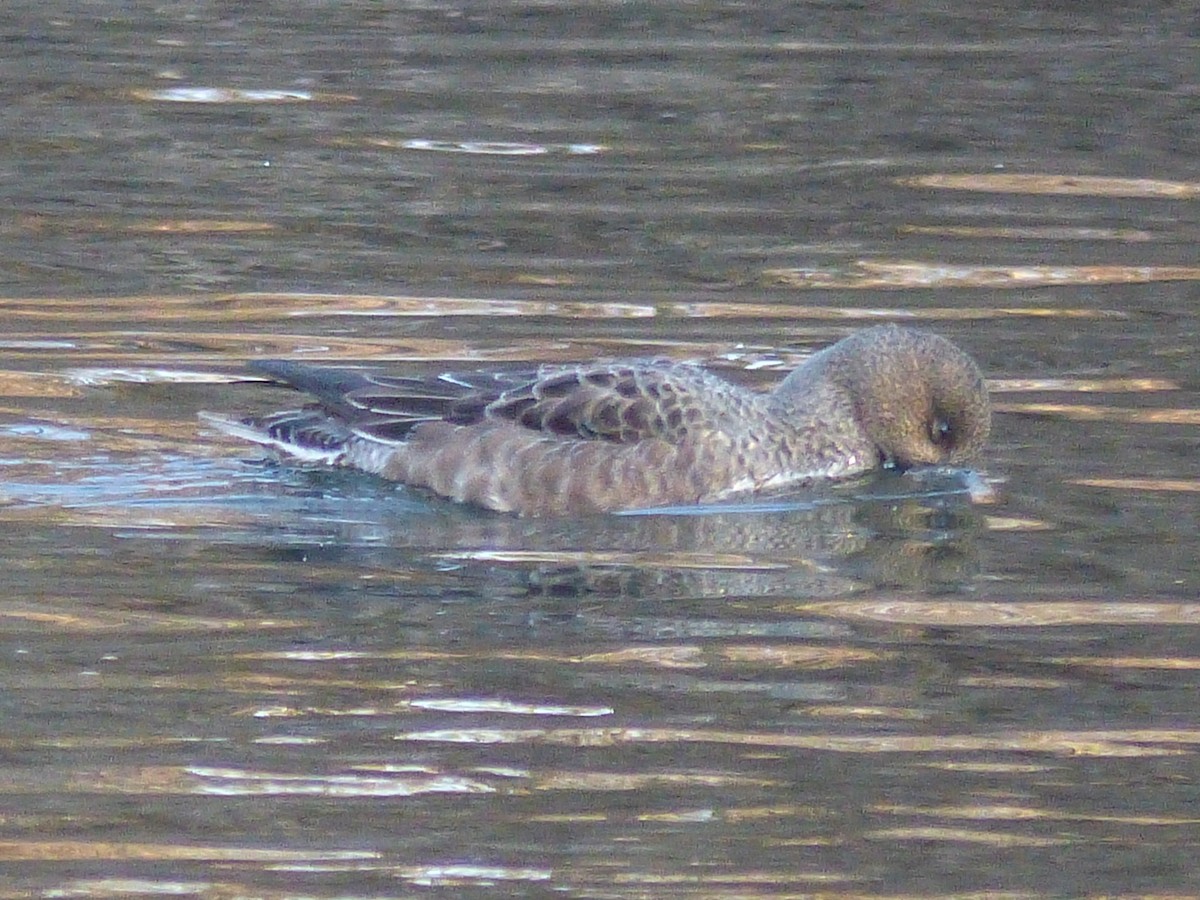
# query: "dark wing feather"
388,407
617,402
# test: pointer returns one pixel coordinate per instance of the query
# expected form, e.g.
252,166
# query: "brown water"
221,677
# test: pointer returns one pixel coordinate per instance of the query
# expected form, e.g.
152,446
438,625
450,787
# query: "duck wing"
621,402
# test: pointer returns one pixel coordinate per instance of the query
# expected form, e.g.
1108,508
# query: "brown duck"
637,433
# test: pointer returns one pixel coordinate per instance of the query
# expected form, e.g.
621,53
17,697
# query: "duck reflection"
885,531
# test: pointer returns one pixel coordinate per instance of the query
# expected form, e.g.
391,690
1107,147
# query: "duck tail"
309,435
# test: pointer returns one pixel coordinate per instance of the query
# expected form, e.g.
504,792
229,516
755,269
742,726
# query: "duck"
602,437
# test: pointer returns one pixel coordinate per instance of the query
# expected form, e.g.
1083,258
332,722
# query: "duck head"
917,397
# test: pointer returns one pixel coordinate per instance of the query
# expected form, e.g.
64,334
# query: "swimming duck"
609,436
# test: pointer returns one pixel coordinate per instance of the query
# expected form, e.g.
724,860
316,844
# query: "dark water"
221,677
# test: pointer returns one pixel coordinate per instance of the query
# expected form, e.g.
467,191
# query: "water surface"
224,676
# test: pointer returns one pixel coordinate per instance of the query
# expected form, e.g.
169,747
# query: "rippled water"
221,676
